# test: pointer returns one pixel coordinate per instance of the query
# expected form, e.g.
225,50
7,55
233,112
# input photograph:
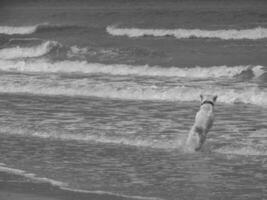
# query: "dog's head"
211,99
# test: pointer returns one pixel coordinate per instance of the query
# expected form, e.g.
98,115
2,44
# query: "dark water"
99,96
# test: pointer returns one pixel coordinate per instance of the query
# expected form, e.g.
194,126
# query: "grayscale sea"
97,98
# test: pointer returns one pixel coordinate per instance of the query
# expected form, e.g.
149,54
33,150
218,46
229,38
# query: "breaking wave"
114,69
230,34
22,30
137,92
27,52
25,30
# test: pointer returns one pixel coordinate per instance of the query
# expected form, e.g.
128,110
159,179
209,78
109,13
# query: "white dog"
203,122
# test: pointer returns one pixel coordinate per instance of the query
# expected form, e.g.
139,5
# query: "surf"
27,30
99,138
83,67
227,34
27,52
133,91
20,30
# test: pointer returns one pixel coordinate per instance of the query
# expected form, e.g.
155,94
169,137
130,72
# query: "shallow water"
133,147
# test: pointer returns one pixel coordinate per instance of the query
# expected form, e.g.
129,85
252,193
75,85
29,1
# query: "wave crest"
25,30
114,69
88,88
100,138
27,52
230,34
22,30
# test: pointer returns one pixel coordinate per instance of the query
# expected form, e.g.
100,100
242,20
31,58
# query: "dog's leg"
202,137
192,140
190,136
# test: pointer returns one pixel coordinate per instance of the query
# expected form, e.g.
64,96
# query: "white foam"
139,142
82,52
76,50
27,52
230,34
258,70
134,91
25,39
115,69
11,30
31,176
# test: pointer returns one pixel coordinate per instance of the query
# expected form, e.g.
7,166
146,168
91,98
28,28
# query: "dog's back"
205,117
203,122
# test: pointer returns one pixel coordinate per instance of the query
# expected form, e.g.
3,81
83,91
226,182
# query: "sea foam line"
228,34
11,30
136,92
99,192
138,142
118,69
64,186
31,176
27,52
25,30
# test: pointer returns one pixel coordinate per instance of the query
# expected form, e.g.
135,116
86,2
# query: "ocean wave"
230,34
27,52
14,40
112,53
22,30
250,95
25,30
115,69
177,142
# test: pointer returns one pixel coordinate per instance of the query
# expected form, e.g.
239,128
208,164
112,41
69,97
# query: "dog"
203,122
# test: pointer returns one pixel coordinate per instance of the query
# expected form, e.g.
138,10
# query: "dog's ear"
201,97
215,98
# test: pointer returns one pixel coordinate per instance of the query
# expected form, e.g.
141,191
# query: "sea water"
99,96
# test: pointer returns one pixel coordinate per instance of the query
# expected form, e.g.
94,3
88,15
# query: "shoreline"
14,187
